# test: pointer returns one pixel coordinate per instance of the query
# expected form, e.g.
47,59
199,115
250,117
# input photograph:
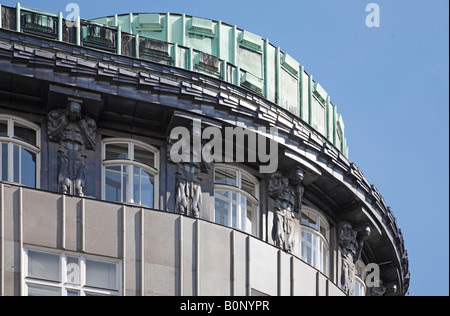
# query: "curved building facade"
164,154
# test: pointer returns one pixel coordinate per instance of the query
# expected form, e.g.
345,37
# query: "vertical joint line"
328,117
317,284
278,76
21,240
266,68
83,226
292,276
142,252
124,249
168,28
180,241
191,59
197,259
63,222
248,280
232,264
183,39
310,92
302,111
2,239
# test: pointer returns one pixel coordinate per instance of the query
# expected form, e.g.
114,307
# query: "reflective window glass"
43,266
101,275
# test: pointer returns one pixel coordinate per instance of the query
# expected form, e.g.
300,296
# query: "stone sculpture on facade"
287,195
351,243
188,181
74,134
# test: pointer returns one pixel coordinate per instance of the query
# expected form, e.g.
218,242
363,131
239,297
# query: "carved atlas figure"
74,134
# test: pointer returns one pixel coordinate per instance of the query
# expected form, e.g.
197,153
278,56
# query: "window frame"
321,241
62,284
361,279
130,163
11,141
240,192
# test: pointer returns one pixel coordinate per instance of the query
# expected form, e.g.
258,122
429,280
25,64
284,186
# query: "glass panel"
314,251
73,293
116,151
144,156
221,206
324,256
360,270
113,183
310,219
251,220
244,213
73,271
248,185
313,220
234,210
3,129
24,133
324,231
4,174
359,289
136,185
39,290
226,176
16,164
125,184
43,266
95,294
28,168
307,247
147,189
101,274
304,220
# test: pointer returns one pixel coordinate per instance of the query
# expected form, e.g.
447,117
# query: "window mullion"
20,163
82,276
10,162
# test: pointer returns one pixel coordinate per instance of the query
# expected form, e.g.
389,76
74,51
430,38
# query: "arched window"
315,238
19,151
130,172
236,202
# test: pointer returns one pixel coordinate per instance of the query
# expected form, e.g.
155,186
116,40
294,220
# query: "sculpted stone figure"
287,195
188,195
296,181
188,180
351,243
74,135
283,221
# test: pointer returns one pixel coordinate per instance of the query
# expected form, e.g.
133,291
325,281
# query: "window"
62,274
360,276
130,172
315,238
19,151
235,199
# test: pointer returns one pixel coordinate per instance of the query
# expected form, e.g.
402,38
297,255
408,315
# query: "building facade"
92,201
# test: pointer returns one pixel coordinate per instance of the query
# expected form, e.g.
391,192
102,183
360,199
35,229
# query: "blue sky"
389,83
